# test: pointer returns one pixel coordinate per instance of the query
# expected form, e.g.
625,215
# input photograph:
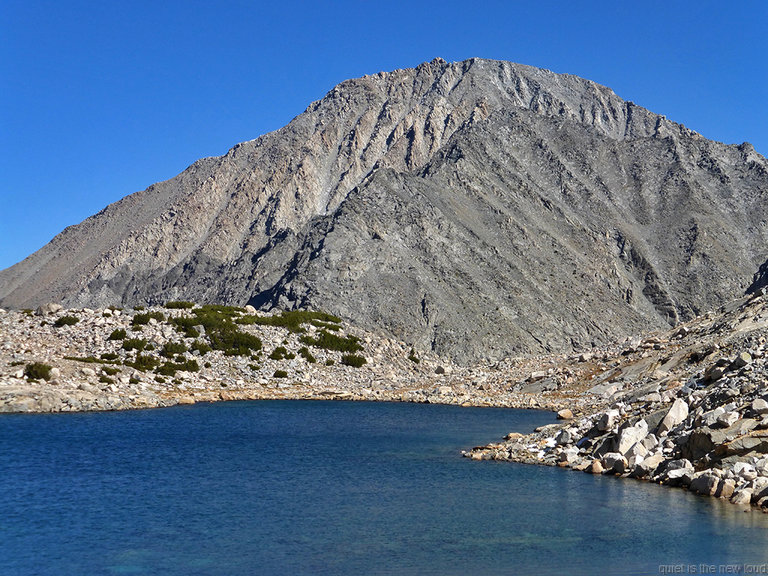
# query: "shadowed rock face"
479,208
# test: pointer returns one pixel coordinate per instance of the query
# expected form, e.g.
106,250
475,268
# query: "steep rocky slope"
479,209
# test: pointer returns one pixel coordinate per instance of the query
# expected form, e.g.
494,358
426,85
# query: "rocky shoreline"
687,407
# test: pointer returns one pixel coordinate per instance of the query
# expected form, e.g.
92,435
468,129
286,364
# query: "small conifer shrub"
38,371
66,321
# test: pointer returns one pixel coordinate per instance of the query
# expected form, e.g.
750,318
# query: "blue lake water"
278,487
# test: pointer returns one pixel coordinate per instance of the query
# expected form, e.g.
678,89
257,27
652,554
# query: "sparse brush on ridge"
292,319
170,368
220,329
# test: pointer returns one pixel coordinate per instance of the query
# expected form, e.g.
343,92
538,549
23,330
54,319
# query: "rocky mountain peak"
477,208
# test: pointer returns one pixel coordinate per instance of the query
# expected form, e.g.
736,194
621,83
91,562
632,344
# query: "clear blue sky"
101,99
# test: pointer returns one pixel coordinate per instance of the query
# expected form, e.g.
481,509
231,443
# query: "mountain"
479,208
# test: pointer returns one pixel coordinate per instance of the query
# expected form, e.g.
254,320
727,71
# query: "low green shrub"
221,331
234,342
85,359
179,305
106,379
66,321
201,347
307,355
330,362
412,356
144,318
170,368
107,358
109,371
221,309
37,371
326,325
281,353
280,374
171,348
143,362
117,334
329,341
352,360
134,344
186,325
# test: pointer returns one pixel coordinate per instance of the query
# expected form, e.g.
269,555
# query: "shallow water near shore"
289,487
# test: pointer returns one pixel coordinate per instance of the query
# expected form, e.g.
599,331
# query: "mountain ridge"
261,224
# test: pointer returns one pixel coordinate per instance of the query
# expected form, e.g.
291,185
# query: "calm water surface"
333,488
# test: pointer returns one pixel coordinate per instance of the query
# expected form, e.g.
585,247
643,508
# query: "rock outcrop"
479,209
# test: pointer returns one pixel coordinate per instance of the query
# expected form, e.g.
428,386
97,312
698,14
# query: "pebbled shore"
687,407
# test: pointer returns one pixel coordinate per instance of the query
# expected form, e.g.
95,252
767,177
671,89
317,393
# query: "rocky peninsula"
61,360
685,407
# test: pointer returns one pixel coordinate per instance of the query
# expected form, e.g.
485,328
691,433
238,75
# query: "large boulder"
705,483
677,473
607,419
631,435
725,488
759,489
615,463
742,497
47,309
676,415
745,470
760,406
648,465
741,360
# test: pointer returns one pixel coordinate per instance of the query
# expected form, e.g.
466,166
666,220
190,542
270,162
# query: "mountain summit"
477,208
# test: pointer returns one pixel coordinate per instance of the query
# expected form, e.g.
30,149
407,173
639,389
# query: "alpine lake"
300,487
